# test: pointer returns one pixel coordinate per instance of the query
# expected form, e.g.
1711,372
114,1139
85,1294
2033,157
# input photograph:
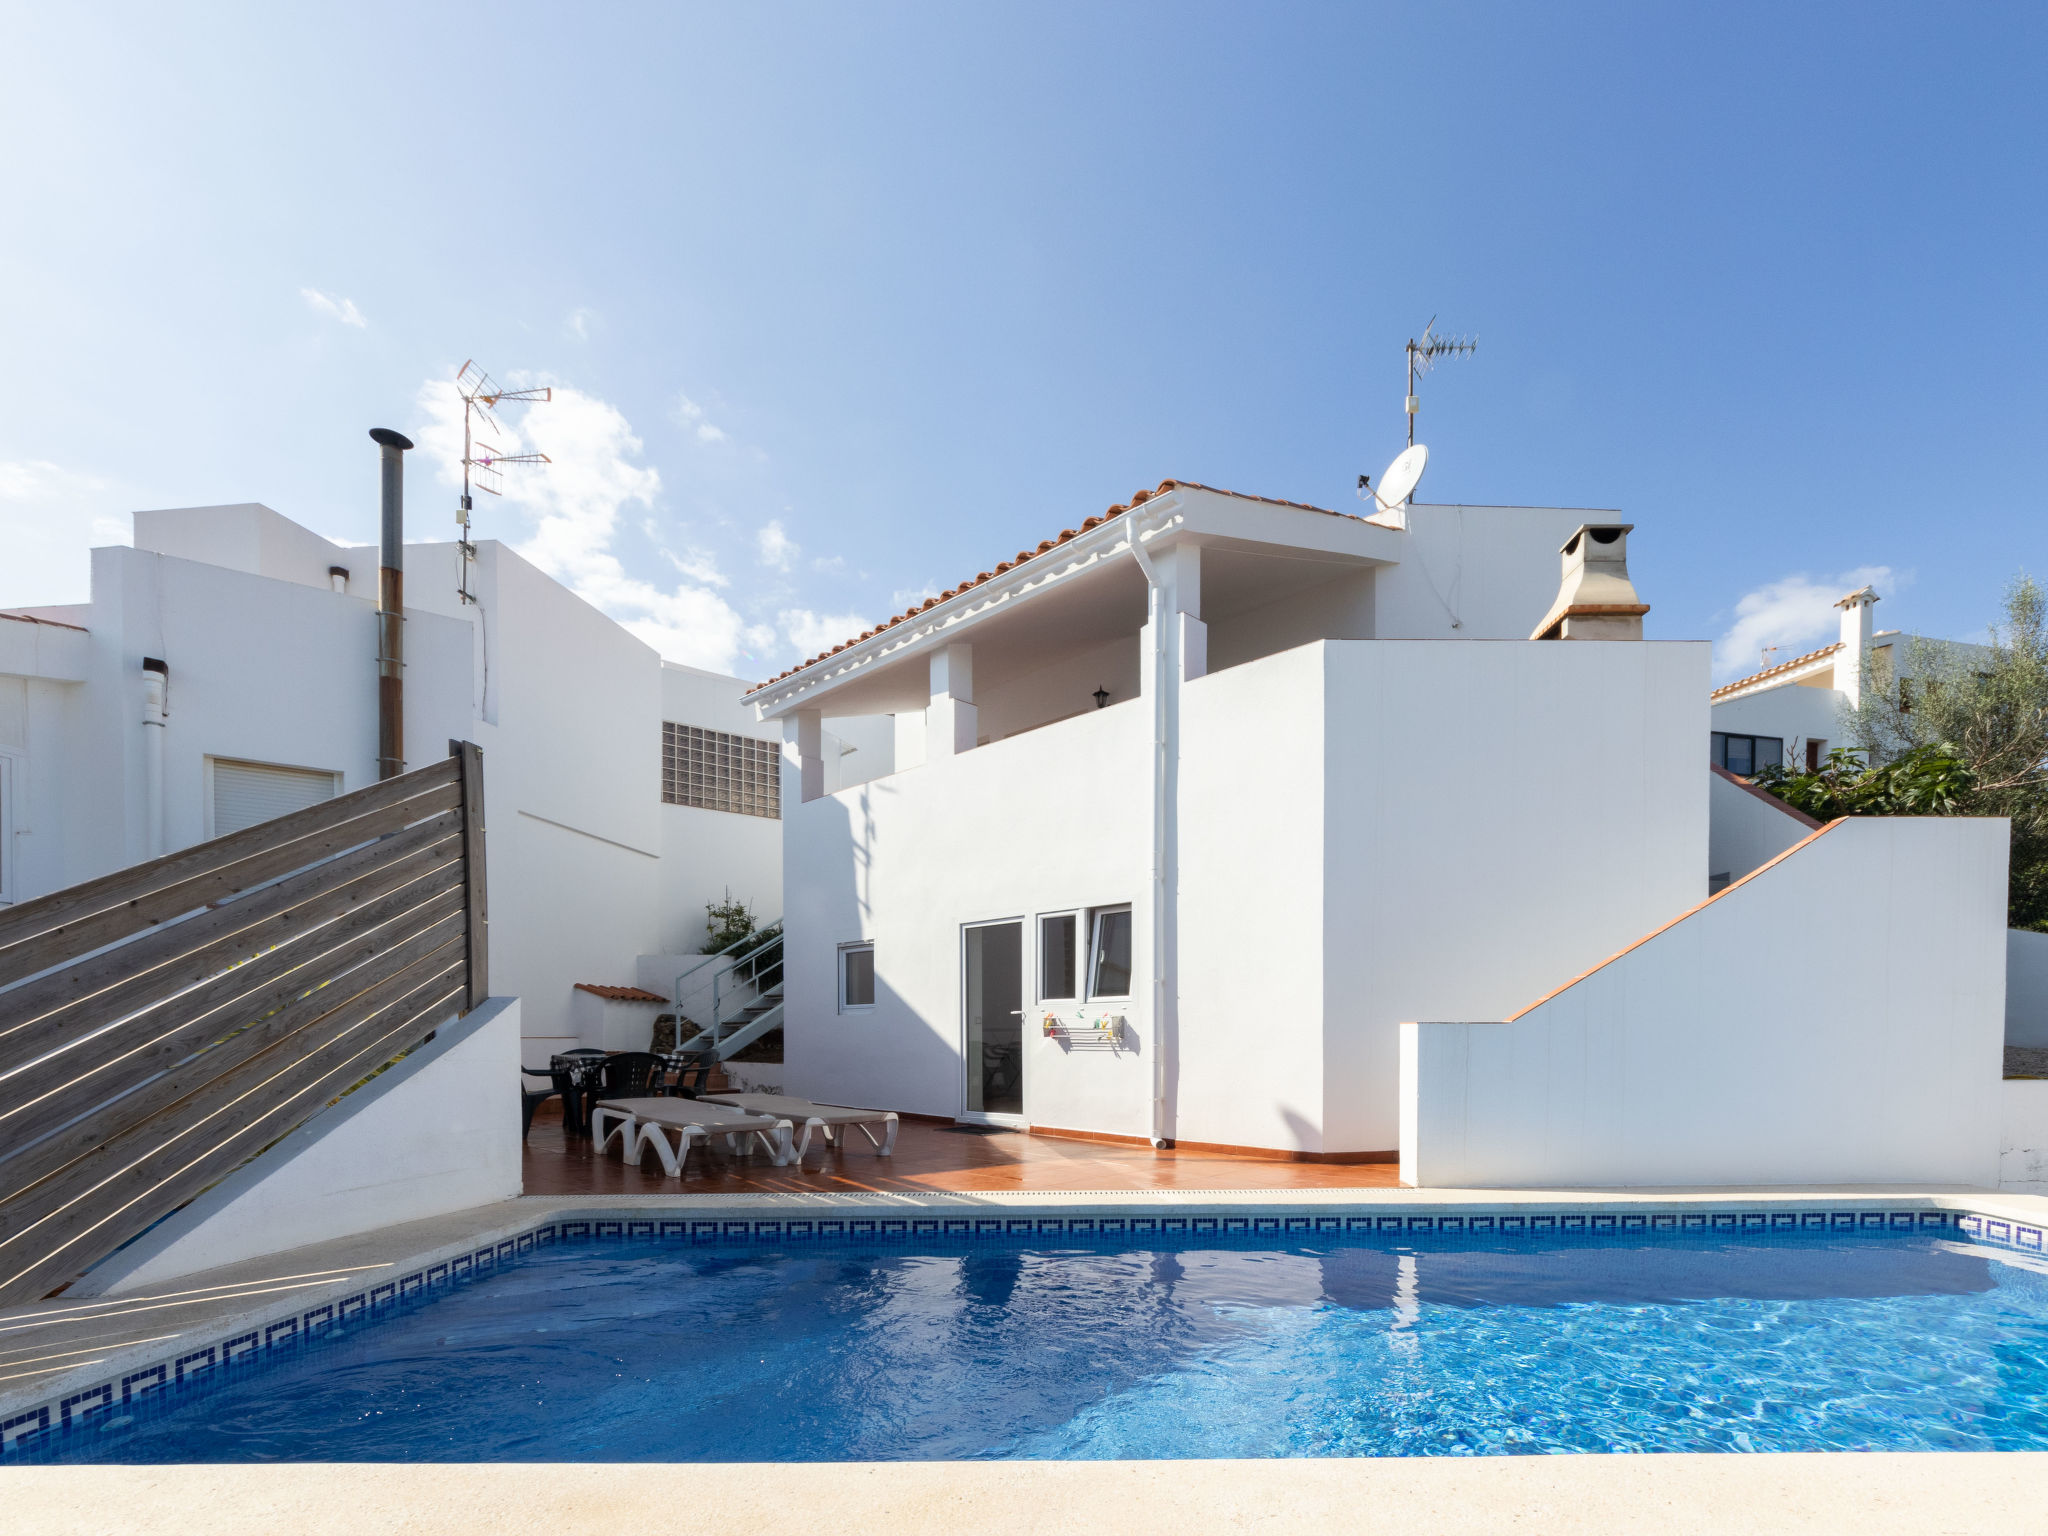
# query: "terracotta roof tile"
1045,546
620,994
1781,667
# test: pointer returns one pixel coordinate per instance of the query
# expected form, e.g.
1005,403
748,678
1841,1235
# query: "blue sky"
848,302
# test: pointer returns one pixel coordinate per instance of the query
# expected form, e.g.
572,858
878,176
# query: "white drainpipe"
155,683
1161,657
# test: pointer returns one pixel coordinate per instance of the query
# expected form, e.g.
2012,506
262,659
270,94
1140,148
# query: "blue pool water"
1345,1348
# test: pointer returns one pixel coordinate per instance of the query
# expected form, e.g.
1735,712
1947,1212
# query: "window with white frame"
1058,956
1109,953
718,771
856,977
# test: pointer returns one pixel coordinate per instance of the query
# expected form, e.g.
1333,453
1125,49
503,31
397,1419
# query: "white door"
994,1008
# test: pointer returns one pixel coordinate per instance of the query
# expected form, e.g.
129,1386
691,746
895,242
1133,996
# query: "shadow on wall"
889,1055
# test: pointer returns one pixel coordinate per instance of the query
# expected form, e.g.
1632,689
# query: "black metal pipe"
391,446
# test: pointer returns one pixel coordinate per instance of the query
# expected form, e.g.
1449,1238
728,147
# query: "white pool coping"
1870,1494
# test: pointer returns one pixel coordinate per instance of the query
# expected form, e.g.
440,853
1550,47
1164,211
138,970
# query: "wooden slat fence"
163,1024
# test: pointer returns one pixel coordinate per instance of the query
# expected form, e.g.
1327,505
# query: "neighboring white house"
224,671
1793,712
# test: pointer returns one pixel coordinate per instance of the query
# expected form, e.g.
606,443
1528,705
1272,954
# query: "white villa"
1201,811
225,672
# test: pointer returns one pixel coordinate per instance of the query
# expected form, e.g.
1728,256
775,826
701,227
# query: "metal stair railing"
754,982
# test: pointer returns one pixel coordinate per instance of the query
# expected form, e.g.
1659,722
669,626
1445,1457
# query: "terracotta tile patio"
930,1155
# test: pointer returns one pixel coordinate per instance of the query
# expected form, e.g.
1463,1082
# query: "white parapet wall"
2023,1148
438,1132
1836,1017
1747,827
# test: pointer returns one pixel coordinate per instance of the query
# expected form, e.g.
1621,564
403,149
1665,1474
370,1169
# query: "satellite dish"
1401,478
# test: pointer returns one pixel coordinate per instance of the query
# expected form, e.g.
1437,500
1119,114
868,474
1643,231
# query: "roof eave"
934,627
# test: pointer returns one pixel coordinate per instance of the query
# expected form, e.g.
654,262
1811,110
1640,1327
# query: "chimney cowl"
1595,599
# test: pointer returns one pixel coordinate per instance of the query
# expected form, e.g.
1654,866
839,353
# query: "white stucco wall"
1745,829
1494,570
250,537
1500,816
2023,1139
439,1132
1253,934
706,855
1780,1034
1050,821
2026,988
261,669
1059,689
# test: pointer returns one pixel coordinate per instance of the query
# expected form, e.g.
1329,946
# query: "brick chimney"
1596,600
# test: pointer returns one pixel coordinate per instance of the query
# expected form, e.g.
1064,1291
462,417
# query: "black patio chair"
629,1075
688,1065
531,1098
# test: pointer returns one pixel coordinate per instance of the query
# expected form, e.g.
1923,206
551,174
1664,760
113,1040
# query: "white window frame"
1086,981
866,946
1079,917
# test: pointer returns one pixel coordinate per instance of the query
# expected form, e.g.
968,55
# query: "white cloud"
575,504
812,633
1794,613
776,547
696,564
908,598
49,517
578,323
343,310
691,415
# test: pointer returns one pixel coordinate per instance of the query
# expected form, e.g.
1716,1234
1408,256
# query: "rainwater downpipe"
156,682
391,448
1155,608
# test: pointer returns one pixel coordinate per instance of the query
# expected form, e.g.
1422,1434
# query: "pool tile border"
154,1387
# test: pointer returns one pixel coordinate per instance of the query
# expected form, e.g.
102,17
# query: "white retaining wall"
1747,828
439,1132
1838,1017
2023,1146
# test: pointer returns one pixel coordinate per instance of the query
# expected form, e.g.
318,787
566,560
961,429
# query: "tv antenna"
1422,356
481,461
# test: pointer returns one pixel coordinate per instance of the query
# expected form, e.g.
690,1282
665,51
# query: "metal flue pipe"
391,446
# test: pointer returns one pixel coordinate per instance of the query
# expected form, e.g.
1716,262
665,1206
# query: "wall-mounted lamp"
1101,697
337,577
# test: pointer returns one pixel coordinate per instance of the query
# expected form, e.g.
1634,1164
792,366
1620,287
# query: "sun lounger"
822,1118
637,1123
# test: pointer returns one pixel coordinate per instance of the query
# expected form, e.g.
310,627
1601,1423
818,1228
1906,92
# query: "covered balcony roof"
1083,589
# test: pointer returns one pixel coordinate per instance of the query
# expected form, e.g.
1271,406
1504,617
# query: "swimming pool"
1213,1347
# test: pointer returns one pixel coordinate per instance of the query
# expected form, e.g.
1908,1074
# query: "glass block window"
717,771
